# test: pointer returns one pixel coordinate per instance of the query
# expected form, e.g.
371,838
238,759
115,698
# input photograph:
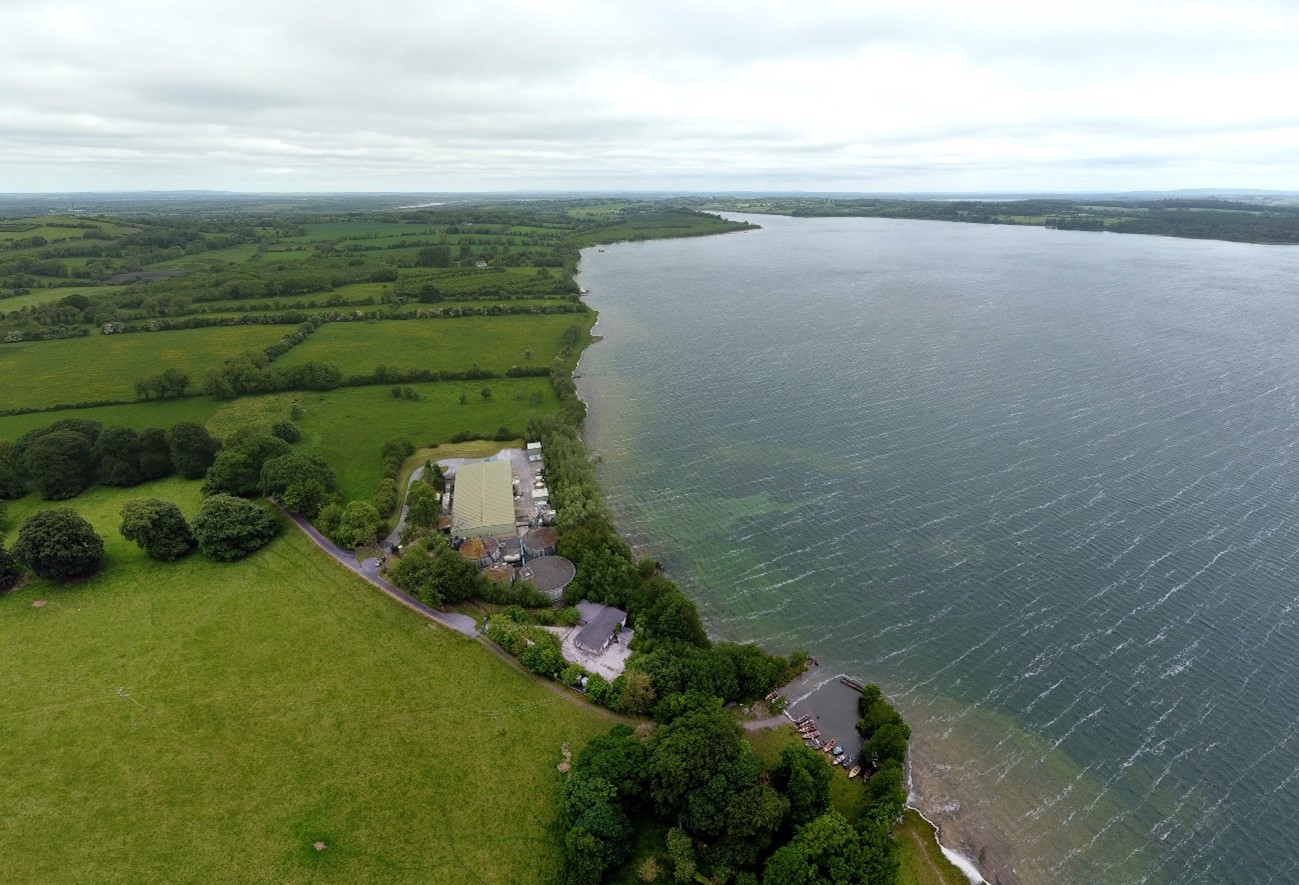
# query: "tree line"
63,459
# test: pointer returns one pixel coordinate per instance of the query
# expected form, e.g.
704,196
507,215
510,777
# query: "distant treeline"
1233,220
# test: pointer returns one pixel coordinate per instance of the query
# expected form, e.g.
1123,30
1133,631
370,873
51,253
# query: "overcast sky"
907,95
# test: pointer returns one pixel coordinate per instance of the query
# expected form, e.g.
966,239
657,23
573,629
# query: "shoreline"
823,695
829,700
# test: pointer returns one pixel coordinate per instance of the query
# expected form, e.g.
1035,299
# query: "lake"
1039,485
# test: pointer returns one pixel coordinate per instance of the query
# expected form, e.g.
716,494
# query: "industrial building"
483,502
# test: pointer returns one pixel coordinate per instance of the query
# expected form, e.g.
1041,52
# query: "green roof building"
483,501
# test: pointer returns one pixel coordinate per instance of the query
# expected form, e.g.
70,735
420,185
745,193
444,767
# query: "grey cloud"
410,95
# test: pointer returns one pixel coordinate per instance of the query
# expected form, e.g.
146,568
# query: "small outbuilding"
600,629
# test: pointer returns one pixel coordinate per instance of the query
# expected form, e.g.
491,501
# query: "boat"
839,751
830,746
810,742
856,770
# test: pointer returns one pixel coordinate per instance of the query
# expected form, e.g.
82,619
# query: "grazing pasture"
105,367
42,296
198,722
493,343
137,416
348,427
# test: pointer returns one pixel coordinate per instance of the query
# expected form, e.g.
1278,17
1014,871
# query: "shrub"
10,570
286,430
543,657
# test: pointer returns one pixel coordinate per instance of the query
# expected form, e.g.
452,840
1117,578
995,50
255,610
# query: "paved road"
369,570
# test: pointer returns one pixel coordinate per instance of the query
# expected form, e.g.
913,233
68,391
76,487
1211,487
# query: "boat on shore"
856,770
829,748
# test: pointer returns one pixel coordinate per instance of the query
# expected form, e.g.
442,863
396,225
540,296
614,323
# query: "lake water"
1040,485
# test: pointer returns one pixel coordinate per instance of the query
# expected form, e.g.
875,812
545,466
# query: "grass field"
923,862
105,367
236,254
454,345
134,415
197,722
53,229
41,296
269,307
348,427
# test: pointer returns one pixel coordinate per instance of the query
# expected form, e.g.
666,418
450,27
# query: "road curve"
369,570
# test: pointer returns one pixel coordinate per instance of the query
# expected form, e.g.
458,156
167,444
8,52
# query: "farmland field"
41,296
137,416
348,427
105,367
201,722
451,345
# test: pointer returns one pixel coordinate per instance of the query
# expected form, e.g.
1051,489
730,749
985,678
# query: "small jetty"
853,684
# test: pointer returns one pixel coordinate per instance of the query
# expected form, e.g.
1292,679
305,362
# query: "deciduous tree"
229,528
60,464
58,544
358,525
829,850
158,527
10,570
192,448
803,775
687,753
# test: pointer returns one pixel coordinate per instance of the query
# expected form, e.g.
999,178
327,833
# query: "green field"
196,722
450,345
137,416
105,367
348,427
41,296
236,254
53,229
923,862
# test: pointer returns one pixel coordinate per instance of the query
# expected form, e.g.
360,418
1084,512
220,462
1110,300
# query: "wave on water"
1036,484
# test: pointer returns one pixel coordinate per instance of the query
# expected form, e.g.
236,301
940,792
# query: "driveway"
369,570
